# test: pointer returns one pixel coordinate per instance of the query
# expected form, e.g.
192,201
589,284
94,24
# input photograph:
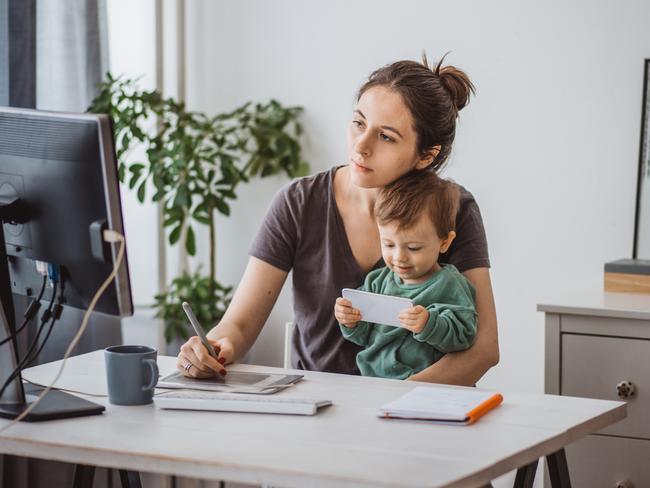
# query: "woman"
324,229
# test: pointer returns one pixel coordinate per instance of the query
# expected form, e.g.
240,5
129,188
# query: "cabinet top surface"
598,303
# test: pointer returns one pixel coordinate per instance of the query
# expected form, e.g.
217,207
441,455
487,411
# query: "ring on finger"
188,366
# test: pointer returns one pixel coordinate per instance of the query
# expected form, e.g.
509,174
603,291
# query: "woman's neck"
361,198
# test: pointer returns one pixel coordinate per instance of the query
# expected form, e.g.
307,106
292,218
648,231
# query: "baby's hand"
414,318
345,314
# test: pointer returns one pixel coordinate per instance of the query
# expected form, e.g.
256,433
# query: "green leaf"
222,207
126,142
190,241
133,181
170,219
136,168
175,234
225,193
121,172
267,171
303,169
182,197
201,219
141,191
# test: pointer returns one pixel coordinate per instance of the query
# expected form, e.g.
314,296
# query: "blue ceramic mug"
131,374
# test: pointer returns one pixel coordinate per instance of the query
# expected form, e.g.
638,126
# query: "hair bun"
455,81
457,84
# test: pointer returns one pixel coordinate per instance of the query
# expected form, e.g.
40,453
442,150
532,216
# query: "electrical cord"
30,311
56,315
44,318
109,236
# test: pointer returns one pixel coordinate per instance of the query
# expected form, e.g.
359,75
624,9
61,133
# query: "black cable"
44,318
56,315
30,311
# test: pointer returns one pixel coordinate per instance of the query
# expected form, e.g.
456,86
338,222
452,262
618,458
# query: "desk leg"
526,475
83,476
558,469
130,479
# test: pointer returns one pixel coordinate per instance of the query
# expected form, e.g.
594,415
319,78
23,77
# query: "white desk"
344,445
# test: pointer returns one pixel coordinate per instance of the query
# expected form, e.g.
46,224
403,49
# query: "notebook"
442,404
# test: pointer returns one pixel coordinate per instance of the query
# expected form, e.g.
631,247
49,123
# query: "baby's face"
412,254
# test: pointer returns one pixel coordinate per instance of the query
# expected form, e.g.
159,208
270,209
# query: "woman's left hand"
414,318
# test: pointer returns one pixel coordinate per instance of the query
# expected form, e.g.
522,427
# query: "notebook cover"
441,404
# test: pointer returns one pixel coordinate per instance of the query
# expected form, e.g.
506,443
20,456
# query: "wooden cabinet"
598,346
616,462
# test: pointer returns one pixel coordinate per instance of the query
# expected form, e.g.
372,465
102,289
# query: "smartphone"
377,308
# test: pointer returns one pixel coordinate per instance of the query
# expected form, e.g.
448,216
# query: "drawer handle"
625,389
624,484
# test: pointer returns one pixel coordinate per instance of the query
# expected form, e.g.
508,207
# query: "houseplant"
194,164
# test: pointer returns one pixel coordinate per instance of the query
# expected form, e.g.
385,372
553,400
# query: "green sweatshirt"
395,352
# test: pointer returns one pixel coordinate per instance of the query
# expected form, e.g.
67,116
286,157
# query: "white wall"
548,146
132,54
131,39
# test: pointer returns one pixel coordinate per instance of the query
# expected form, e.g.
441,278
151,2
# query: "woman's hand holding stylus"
194,360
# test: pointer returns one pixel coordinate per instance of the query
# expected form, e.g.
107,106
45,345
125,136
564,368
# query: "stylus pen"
199,330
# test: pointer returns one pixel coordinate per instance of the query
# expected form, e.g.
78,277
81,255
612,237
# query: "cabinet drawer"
602,462
592,366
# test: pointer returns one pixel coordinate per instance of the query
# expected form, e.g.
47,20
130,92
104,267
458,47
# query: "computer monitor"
59,190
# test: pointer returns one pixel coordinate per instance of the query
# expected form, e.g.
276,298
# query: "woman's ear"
428,157
446,242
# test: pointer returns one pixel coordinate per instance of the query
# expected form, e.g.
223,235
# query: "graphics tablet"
235,381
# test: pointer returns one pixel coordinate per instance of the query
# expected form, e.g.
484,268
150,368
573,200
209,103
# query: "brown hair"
405,200
434,96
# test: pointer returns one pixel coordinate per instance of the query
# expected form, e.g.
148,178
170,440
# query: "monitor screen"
63,168
59,191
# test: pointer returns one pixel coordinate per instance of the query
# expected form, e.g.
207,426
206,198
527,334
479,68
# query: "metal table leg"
130,479
526,475
558,469
83,476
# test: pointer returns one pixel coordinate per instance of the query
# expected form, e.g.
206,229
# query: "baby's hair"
415,193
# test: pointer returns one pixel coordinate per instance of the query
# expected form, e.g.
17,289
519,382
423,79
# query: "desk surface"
344,445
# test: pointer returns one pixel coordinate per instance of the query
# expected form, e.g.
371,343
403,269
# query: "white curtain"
71,61
71,53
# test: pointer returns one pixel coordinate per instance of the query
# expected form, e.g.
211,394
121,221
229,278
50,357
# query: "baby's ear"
446,242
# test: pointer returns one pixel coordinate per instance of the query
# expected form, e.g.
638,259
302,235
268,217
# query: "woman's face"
382,142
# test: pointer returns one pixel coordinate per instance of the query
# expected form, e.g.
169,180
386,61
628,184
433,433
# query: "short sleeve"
469,249
277,238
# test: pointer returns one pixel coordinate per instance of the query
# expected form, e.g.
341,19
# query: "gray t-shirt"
303,231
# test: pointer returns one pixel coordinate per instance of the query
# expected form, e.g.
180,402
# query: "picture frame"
641,249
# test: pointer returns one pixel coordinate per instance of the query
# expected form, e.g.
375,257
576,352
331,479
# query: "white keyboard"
237,402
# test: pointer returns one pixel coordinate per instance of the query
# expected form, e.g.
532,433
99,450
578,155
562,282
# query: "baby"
416,218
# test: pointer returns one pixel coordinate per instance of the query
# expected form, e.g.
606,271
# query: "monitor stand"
17,397
54,405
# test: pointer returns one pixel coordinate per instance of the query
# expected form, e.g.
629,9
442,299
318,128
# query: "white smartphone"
377,308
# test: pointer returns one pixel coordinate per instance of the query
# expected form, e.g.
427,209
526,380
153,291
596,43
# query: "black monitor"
59,191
